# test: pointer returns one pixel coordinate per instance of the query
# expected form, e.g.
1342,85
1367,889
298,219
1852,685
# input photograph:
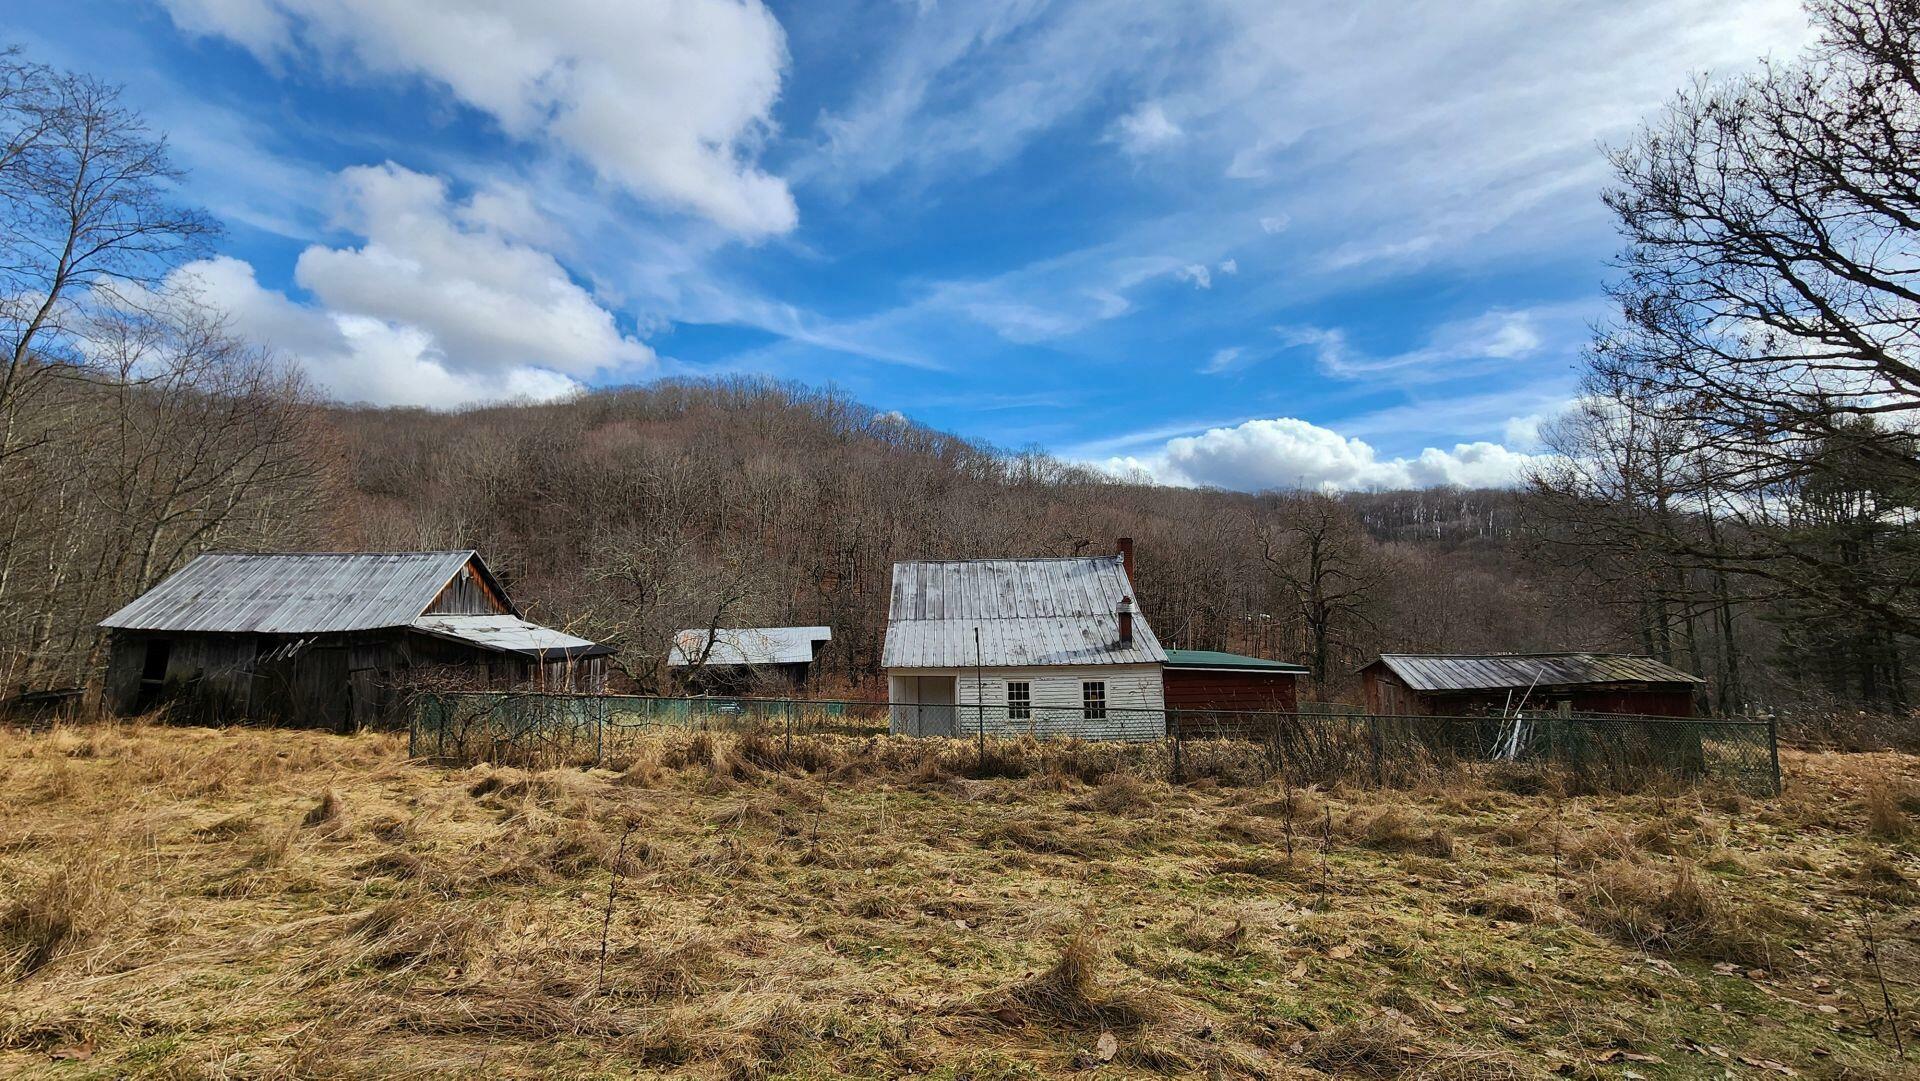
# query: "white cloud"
1197,273
1145,129
1274,223
1229,266
489,302
1285,452
1222,359
357,358
1460,349
439,306
668,98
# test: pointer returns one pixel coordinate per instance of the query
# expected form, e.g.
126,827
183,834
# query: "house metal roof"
1460,672
748,646
1213,658
294,593
509,634
1029,612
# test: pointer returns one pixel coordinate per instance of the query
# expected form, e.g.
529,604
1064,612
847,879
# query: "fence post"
1773,748
1178,767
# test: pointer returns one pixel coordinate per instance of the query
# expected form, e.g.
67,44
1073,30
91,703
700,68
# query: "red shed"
1205,688
1459,685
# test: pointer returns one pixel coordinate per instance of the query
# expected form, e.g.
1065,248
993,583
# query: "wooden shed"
1468,685
320,639
1211,692
735,660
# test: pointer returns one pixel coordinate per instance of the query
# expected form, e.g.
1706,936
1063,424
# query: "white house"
1017,646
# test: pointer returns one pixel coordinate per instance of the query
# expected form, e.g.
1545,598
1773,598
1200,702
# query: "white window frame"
1093,699
1022,709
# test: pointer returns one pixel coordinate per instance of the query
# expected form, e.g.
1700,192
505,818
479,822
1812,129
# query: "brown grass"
1887,819
186,902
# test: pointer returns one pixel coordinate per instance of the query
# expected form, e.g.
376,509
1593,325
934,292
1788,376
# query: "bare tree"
1315,551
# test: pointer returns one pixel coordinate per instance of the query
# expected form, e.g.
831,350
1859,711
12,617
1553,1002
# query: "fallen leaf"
76,1052
1106,1047
1340,952
1299,969
1449,1007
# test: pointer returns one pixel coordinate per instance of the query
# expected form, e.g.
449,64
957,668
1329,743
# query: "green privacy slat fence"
1599,751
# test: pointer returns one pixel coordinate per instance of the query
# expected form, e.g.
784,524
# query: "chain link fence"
1584,752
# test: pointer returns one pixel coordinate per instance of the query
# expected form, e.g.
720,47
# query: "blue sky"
1249,243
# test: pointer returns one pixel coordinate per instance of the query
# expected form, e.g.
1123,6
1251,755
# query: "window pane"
1093,700
1019,700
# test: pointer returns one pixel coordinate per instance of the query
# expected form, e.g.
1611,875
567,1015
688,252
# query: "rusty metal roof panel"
1497,671
1029,612
292,593
749,646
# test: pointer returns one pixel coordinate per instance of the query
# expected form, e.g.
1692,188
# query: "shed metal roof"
748,646
509,634
294,593
1213,658
1029,612
1487,672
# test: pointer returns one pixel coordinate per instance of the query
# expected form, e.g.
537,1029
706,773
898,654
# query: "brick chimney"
1125,545
1125,614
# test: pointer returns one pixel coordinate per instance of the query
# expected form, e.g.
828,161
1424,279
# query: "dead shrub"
68,912
1068,995
1882,879
644,771
1674,911
330,811
1886,818
1118,794
1393,830
1514,904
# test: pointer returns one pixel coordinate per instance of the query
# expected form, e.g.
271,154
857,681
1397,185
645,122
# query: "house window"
1093,700
1019,700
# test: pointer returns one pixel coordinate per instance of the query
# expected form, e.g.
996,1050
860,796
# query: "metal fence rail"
1598,752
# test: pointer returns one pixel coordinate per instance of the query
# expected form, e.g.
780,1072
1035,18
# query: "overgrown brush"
68,912
1069,994
1675,910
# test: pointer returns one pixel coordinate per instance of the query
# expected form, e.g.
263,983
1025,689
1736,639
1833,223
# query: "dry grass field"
249,903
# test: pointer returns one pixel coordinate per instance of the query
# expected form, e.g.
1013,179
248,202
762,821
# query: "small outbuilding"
733,660
1213,693
1470,685
1022,646
319,639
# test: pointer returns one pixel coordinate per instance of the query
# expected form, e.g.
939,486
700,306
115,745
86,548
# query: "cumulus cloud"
1197,273
1274,223
670,99
489,301
1145,129
440,305
1285,452
1229,266
358,358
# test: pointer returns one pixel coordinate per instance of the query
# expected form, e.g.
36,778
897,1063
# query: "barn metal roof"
1464,672
294,593
509,634
1028,612
737,646
1213,658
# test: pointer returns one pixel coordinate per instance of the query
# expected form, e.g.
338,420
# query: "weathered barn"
1012,646
1481,685
318,639
734,660
1212,693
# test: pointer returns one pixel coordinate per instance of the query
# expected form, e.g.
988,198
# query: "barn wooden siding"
1215,702
317,639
